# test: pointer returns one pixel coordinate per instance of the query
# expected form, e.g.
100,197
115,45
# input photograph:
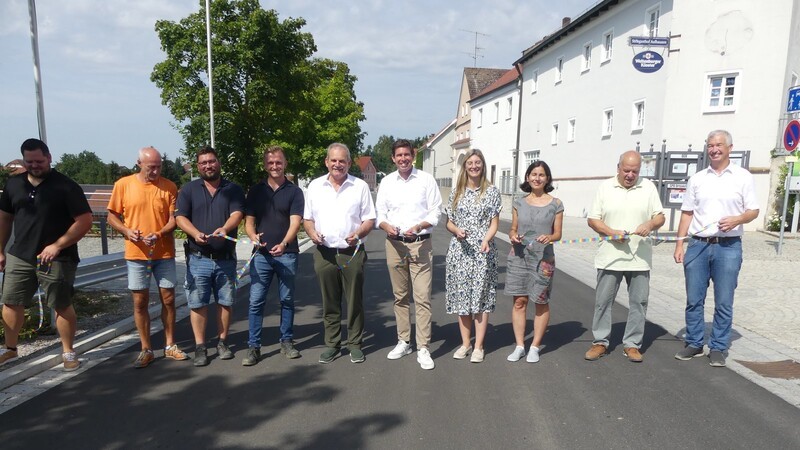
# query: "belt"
717,239
340,251
212,255
417,238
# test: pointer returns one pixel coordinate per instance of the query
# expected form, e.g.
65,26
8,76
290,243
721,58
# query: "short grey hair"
338,145
727,136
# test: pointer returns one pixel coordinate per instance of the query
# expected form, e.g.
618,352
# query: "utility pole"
474,54
210,76
37,73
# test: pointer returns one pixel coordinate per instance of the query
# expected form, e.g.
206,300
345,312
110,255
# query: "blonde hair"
461,183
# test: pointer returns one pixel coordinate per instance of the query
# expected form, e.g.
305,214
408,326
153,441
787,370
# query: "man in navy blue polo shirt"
49,214
273,214
206,210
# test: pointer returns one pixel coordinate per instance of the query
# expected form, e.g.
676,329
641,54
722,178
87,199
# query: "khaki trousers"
410,270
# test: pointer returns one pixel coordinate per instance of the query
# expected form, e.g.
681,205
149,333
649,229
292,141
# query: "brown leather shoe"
596,352
633,354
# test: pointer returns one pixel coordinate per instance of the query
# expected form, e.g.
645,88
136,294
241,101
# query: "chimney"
565,21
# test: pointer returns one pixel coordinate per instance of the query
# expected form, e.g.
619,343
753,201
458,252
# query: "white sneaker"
477,356
462,352
533,355
517,354
401,349
424,358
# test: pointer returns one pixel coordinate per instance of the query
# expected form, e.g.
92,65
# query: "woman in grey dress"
535,223
471,265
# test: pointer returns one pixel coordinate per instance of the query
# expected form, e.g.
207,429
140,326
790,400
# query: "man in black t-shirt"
49,214
273,212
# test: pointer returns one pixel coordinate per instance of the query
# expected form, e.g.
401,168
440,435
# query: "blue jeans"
721,263
261,270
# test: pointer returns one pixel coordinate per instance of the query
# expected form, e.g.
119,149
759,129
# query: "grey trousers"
608,282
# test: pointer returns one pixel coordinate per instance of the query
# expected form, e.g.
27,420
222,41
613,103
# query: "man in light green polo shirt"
629,207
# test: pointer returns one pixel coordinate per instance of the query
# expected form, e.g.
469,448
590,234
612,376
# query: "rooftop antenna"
475,50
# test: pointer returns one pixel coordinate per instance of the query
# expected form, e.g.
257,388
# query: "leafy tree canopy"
87,168
268,89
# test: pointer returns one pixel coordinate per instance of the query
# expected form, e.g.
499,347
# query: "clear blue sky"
97,55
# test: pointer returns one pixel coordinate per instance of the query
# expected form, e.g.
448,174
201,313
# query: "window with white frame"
586,58
480,117
509,107
608,45
559,69
722,92
608,122
651,18
534,81
571,130
530,157
637,114
554,134
463,110
496,111
506,182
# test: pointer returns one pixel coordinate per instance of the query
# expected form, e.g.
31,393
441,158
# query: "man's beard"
213,177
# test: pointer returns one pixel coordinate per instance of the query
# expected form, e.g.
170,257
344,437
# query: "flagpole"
37,74
210,76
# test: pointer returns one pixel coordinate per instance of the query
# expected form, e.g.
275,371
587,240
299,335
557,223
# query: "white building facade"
495,118
728,66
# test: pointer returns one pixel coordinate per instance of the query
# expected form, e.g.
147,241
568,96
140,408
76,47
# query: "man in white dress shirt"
718,201
339,214
408,209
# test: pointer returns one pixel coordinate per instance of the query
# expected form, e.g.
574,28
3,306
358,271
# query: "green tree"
172,170
85,168
5,173
381,154
267,88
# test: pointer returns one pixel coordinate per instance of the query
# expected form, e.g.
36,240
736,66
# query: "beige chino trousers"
410,270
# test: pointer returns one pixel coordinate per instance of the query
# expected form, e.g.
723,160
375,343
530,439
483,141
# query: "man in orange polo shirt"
142,208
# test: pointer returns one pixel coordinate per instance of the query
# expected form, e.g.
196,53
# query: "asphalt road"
560,402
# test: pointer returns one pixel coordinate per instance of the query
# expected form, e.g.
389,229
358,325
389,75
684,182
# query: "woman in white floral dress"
471,276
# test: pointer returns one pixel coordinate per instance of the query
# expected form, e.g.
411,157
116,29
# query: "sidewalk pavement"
766,325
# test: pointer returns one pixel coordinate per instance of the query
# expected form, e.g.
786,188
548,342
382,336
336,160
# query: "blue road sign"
791,136
793,104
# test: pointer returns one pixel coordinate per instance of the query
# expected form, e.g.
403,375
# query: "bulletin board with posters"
672,194
651,165
681,166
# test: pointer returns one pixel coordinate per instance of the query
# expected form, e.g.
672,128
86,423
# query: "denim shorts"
163,272
205,276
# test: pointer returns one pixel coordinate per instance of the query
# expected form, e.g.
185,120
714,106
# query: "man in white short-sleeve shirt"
718,201
338,216
629,208
408,209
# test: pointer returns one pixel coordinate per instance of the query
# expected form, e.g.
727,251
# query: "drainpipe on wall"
519,128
